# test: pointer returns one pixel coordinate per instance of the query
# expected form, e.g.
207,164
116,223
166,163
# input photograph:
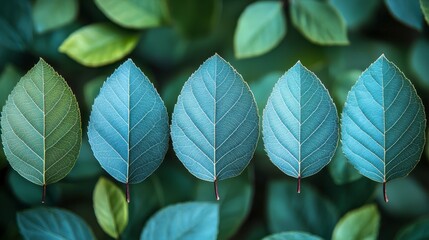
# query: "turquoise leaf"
383,124
215,125
52,224
300,124
128,128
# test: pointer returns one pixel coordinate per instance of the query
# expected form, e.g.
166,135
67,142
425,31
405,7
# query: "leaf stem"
298,187
216,190
384,192
44,193
127,191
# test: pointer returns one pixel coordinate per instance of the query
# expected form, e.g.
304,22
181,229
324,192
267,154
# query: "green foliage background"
168,47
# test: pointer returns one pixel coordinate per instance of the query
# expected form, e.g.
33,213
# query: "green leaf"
192,220
307,211
292,236
417,230
356,12
405,193
408,12
300,124
194,18
29,193
110,207
52,224
128,128
215,124
171,90
52,14
424,4
234,206
134,13
260,28
319,22
383,123
362,223
16,25
91,89
419,65
41,126
99,44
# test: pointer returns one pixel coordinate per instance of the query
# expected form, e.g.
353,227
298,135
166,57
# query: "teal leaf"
110,207
52,224
417,230
407,11
341,170
292,236
362,223
300,124
134,13
41,126
99,44
383,123
86,164
356,12
260,28
424,4
49,15
307,211
16,25
234,206
319,22
419,65
128,127
192,220
215,125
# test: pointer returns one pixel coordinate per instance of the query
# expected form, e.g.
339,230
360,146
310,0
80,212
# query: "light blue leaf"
128,127
52,224
300,124
215,122
383,123
407,11
193,220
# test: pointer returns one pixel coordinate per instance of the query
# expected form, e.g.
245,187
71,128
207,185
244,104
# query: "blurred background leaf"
49,15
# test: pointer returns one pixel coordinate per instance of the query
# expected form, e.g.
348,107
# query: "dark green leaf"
292,236
52,14
424,4
307,211
319,22
91,89
419,63
356,12
16,26
86,164
99,44
341,170
260,28
362,223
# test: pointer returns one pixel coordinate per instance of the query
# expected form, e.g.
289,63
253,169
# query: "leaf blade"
260,28
407,12
110,207
88,44
292,236
49,15
43,223
424,4
309,119
193,220
41,130
215,128
381,98
129,135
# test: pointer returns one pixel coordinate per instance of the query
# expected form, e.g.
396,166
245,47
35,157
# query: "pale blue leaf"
407,11
215,122
184,221
52,224
383,123
300,124
128,127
